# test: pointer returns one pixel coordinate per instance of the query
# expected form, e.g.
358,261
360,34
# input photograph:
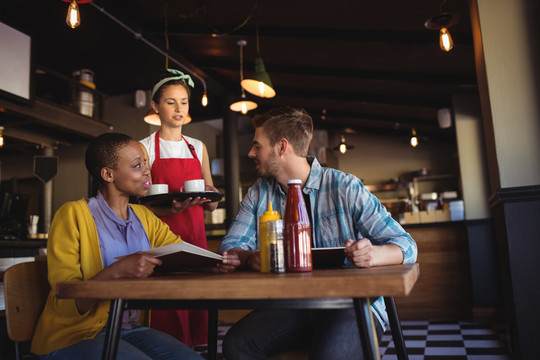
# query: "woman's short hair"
103,152
165,74
293,124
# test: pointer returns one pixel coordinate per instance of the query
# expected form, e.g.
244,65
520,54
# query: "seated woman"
84,238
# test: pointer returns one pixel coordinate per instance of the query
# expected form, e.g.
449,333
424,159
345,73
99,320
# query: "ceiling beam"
303,33
348,73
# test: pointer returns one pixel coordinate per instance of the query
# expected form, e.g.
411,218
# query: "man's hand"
237,257
360,252
254,260
229,263
363,253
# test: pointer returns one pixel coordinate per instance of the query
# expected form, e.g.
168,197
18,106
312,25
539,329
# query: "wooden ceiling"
355,65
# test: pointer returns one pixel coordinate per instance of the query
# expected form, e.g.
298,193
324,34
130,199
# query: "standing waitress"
175,158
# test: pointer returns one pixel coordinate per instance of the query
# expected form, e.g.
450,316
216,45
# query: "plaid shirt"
341,208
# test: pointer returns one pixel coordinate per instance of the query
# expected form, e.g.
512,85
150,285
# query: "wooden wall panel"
443,290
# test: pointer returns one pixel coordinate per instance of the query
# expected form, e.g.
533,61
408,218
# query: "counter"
443,290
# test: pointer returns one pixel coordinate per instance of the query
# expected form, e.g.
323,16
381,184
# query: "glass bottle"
264,245
297,229
277,254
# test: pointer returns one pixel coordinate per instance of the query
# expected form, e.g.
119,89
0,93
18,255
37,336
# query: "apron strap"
191,148
156,145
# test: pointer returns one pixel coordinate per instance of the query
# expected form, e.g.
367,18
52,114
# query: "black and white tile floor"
433,340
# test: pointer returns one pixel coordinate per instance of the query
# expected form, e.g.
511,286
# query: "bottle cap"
294,181
270,210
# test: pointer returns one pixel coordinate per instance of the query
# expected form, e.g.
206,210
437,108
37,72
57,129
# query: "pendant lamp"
260,83
414,139
343,147
152,118
442,22
73,17
242,104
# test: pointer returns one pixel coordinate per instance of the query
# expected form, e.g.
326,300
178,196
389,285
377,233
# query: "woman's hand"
137,265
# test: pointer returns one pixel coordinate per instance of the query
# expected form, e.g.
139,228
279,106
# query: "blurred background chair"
26,289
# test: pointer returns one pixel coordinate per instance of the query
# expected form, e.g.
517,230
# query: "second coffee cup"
156,189
193,186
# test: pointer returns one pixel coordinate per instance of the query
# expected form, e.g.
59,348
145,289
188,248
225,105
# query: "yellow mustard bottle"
264,244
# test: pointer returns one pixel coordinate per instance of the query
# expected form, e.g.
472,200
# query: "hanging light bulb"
242,105
446,41
442,22
414,139
1,136
343,147
73,18
204,100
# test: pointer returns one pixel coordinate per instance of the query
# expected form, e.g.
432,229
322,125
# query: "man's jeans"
327,334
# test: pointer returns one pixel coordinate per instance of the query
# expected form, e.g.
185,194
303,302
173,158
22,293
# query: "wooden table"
334,288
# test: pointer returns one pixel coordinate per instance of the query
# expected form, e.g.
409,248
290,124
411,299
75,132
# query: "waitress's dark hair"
165,74
103,152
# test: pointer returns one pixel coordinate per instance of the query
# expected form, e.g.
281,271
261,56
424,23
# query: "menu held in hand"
182,256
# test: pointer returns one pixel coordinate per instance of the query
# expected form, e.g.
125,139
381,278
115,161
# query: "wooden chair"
26,289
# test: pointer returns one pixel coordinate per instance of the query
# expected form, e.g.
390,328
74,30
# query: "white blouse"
172,149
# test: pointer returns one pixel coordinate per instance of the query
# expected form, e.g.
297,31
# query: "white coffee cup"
193,186
156,189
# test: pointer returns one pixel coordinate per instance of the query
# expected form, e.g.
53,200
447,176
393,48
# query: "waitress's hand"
210,188
179,206
210,206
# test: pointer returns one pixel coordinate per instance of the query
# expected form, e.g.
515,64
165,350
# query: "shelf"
389,187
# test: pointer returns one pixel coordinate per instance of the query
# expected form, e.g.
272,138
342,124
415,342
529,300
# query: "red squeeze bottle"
297,230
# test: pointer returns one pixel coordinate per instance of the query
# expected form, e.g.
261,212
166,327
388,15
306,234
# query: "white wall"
507,47
379,158
470,139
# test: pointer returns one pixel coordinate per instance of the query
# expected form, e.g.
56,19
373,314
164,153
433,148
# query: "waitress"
175,158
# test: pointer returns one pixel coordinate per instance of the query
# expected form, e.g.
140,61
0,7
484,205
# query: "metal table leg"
112,336
212,334
366,327
395,326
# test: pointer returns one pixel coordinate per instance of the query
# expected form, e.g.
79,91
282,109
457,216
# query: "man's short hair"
103,152
295,125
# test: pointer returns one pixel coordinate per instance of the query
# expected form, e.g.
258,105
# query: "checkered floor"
448,340
433,340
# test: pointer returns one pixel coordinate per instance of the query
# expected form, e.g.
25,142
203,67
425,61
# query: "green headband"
179,76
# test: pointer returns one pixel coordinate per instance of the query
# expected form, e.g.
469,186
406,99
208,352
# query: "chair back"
26,289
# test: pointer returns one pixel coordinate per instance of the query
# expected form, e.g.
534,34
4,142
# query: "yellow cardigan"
73,253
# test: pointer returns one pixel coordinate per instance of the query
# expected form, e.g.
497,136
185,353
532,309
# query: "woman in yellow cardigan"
84,238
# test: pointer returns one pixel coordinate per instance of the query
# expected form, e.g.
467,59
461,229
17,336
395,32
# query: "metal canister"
276,246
